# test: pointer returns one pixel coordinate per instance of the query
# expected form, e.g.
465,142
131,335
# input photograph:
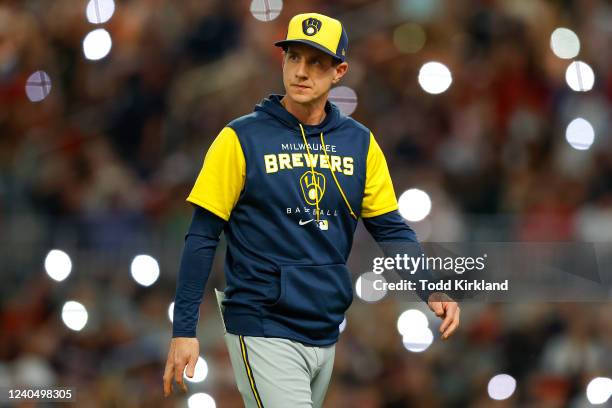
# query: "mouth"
301,86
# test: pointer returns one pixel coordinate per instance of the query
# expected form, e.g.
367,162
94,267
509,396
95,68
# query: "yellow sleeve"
379,197
221,179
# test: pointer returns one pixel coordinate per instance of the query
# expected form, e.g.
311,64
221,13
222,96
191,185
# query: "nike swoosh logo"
306,222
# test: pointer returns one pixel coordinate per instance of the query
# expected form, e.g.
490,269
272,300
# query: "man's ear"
341,70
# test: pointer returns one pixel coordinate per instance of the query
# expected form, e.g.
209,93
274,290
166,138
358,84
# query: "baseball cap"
319,31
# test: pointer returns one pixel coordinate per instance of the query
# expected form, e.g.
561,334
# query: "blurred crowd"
103,165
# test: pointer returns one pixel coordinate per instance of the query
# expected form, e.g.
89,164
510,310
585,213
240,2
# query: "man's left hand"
445,308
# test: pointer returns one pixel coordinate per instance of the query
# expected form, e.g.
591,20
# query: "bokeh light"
418,339
99,11
74,315
409,38
411,320
144,269
564,43
342,325
29,369
580,76
501,387
599,390
97,44
38,86
580,134
58,265
266,10
435,77
200,373
201,400
420,10
364,287
345,98
414,204
171,312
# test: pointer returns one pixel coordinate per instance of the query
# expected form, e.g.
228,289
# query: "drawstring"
314,179
336,180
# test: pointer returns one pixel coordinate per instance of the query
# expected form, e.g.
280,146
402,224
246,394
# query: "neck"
308,114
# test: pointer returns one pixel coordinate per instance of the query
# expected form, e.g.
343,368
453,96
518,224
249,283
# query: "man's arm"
215,193
394,237
380,216
196,262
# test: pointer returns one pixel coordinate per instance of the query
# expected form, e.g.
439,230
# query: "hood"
334,118
272,106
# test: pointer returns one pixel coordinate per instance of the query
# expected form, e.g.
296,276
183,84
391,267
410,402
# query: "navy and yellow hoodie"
288,197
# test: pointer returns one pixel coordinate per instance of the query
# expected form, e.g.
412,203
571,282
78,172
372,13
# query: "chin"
300,98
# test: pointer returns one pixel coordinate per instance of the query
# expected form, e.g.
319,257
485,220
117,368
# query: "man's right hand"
184,351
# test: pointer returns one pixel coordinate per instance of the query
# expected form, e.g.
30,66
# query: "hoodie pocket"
314,297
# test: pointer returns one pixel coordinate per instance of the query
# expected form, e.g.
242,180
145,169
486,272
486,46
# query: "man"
287,183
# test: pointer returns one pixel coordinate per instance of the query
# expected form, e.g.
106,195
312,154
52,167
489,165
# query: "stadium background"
99,168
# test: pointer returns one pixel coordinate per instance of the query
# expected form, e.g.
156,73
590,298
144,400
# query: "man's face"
308,73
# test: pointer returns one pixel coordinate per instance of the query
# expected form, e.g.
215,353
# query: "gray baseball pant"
280,373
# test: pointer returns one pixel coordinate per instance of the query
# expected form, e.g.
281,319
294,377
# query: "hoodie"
291,195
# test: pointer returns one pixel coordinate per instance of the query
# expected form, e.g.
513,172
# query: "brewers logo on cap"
319,31
311,26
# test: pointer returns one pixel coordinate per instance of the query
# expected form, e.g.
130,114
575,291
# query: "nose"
301,71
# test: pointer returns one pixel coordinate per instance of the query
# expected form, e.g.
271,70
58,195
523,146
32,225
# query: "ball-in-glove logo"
311,26
313,186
